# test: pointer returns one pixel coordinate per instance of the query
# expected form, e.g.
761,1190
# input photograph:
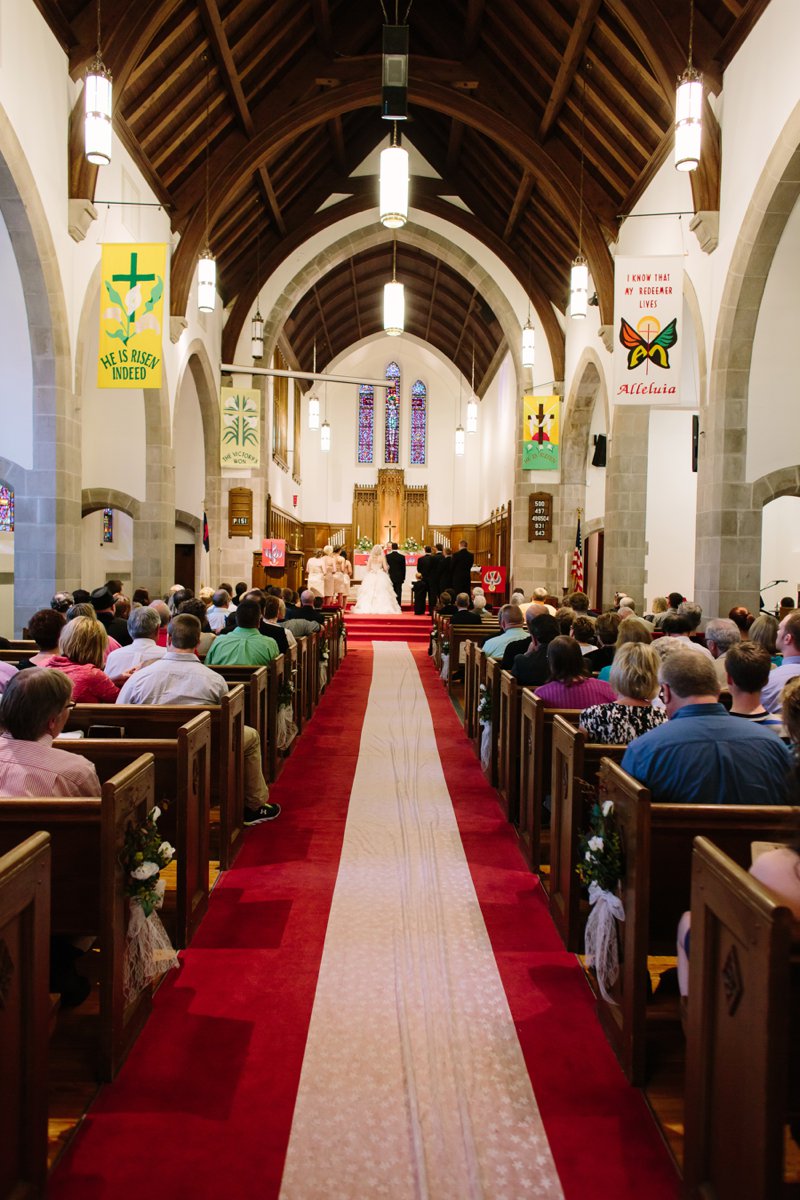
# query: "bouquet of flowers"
286,728
485,720
410,545
600,869
149,951
364,544
444,674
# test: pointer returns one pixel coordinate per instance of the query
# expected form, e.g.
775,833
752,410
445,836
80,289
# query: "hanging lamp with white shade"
472,403
689,111
461,439
97,106
394,184
579,272
313,398
394,303
207,264
325,429
528,343
257,322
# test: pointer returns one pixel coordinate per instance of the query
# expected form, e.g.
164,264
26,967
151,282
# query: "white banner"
648,333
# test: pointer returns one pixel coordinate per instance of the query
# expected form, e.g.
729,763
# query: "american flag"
576,571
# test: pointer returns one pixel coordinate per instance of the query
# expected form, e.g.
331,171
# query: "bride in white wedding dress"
376,594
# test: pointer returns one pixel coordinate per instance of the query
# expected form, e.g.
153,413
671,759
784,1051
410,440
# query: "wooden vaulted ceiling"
283,96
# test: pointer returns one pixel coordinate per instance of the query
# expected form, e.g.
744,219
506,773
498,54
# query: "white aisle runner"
413,1081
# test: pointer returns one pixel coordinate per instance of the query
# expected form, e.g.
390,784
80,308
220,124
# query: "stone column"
626,505
154,532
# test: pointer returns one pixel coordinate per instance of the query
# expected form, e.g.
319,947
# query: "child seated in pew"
634,678
33,711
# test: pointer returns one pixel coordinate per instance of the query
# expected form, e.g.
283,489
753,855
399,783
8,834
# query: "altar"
391,510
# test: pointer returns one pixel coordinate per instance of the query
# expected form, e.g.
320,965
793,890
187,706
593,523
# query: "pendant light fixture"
97,108
394,303
207,264
394,184
394,97
528,332
461,440
689,111
325,428
313,398
257,323
579,274
472,403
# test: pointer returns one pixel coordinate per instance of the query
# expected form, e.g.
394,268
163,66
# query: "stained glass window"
392,426
419,423
108,524
366,424
6,509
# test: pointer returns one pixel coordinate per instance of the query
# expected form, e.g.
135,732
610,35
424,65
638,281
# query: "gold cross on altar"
390,527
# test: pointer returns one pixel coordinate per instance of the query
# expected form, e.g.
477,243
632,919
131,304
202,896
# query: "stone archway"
198,364
93,499
47,498
729,508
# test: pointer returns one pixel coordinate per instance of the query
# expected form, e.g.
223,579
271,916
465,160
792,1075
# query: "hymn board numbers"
540,517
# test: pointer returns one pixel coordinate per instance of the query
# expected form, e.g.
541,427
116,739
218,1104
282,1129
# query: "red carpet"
204,1105
400,627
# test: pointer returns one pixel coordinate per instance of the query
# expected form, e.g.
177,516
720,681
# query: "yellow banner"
131,315
240,429
540,433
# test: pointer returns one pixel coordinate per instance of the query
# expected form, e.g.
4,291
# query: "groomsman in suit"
462,566
425,568
435,582
397,570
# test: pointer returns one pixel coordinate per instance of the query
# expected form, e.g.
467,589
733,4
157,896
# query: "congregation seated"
140,598
569,685
102,601
82,608
480,606
630,629
606,628
634,679
180,678
565,616
445,605
34,709
219,611
676,631
245,645
582,630
702,755
82,649
512,629
721,634
196,608
764,632
659,607
143,627
788,643
45,628
578,602
530,667
464,615
675,599
742,619
62,601
160,607
747,669
693,614
305,611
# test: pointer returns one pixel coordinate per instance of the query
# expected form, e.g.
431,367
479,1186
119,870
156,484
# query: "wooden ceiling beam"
432,301
472,25
522,197
336,134
356,304
579,36
166,40
321,13
454,144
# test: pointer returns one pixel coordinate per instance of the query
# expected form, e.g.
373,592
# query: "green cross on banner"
133,277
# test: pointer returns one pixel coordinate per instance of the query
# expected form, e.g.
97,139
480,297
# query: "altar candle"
358,533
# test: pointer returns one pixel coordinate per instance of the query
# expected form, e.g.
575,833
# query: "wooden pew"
509,746
655,889
461,635
479,661
24,1015
182,790
299,656
743,1037
536,740
493,674
227,749
255,680
576,764
15,656
312,675
88,887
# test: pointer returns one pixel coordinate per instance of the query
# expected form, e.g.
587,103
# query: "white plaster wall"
497,439
780,548
188,441
595,476
671,505
773,427
16,372
328,478
100,560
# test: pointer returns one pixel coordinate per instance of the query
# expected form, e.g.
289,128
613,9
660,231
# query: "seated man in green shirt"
244,646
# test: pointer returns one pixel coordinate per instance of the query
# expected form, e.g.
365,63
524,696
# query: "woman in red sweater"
81,654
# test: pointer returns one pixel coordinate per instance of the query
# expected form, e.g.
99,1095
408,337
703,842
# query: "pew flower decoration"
286,728
600,869
444,674
485,719
149,951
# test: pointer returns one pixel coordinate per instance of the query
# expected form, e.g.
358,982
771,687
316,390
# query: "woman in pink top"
569,685
82,652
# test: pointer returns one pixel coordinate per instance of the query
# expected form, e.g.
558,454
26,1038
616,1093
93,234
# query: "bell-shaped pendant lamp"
206,282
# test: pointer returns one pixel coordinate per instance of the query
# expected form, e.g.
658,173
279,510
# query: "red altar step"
402,627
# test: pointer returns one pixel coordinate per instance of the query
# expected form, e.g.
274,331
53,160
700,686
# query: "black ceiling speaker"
599,456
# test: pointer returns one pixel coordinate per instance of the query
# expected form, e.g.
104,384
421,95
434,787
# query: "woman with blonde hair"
81,654
634,677
631,629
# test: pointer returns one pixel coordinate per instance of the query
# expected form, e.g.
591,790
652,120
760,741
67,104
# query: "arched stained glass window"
419,423
366,424
6,509
108,525
392,427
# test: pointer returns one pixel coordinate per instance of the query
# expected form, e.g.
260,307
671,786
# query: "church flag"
648,330
129,350
576,570
206,540
240,430
540,433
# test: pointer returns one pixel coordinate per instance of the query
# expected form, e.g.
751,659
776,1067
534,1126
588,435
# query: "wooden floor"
73,1084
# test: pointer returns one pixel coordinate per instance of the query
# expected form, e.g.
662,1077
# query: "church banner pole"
234,369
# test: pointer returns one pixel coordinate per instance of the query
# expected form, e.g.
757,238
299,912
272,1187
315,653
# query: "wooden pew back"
479,661
536,741
227,749
492,682
576,764
255,680
88,885
509,746
182,790
459,636
744,1023
656,886
24,1014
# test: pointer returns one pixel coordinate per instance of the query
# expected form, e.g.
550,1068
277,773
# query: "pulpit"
391,510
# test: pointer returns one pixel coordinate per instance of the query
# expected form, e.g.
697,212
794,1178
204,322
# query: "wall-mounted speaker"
599,456
695,441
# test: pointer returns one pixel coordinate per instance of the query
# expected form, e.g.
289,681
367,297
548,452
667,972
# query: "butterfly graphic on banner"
656,350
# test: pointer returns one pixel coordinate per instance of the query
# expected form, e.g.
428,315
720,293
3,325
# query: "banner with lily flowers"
131,315
240,429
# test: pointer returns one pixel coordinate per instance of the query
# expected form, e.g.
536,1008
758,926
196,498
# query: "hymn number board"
240,512
540,517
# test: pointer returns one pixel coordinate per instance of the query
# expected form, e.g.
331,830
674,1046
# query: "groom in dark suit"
397,570
462,568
